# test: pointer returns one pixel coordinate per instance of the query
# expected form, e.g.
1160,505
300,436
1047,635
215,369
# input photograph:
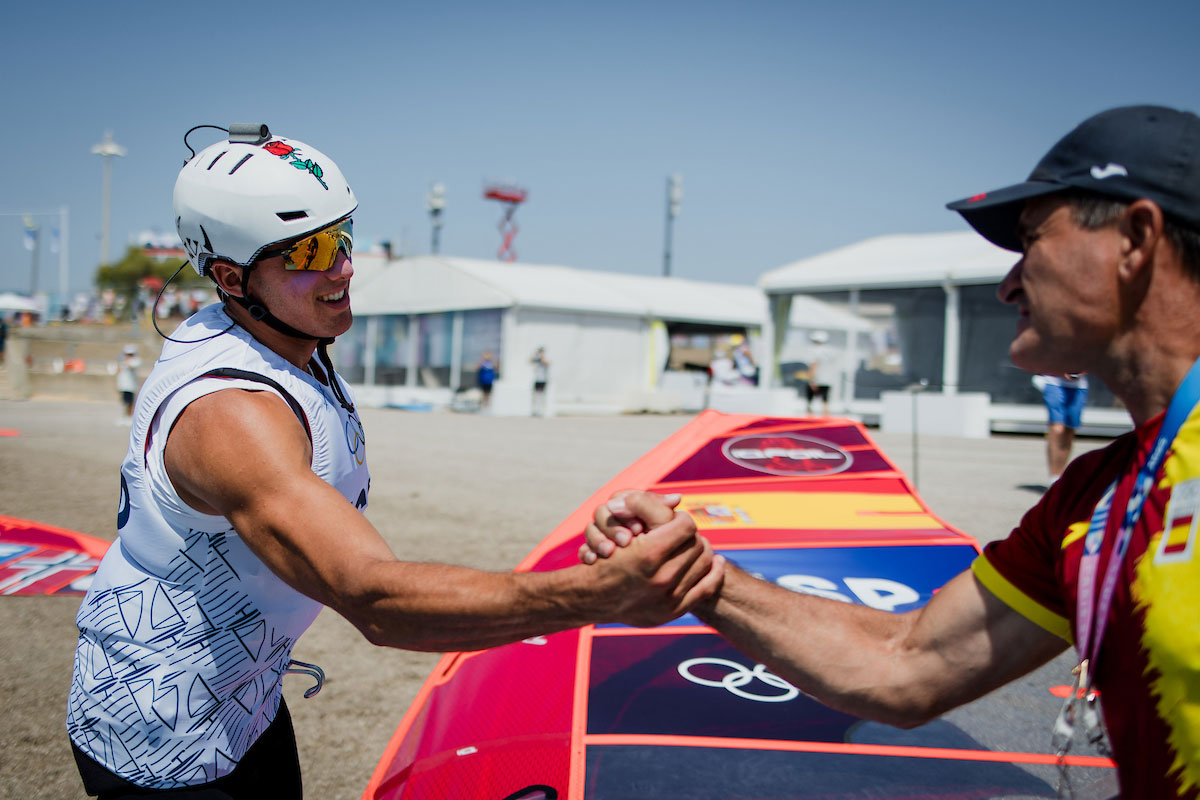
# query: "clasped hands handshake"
677,567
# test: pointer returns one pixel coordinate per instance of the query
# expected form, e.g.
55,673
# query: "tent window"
436,332
481,333
391,350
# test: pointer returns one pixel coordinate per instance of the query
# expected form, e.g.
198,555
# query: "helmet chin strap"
259,311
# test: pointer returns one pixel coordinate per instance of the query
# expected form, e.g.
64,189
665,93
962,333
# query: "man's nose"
1006,292
343,267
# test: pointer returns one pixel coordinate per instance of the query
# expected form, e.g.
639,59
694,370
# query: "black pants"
270,768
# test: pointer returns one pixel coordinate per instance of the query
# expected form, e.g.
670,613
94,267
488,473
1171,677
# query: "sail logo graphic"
778,690
356,439
787,454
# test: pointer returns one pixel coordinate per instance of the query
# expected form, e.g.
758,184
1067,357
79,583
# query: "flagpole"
63,239
32,244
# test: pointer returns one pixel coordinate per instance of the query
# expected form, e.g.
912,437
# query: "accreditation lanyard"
1092,607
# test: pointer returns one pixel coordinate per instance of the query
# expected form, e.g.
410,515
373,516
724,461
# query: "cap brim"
994,215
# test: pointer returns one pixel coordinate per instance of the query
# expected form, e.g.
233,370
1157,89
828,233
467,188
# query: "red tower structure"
512,196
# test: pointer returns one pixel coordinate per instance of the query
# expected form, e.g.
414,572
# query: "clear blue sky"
798,127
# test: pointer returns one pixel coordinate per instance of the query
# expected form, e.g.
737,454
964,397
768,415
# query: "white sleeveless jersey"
185,634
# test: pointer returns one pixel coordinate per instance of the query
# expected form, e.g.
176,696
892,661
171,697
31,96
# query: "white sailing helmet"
233,200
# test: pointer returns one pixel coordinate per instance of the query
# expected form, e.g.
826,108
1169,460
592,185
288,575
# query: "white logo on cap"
1109,171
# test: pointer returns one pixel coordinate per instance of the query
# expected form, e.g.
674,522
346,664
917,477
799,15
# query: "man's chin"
1038,363
345,321
1027,358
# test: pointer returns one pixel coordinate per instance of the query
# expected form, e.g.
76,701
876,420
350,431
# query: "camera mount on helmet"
249,132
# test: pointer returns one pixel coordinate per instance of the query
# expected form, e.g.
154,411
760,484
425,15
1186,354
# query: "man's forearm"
844,655
441,608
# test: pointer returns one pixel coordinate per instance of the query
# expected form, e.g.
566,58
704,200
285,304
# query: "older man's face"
1065,289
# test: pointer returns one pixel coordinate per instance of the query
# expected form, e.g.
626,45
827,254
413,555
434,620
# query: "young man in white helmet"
240,507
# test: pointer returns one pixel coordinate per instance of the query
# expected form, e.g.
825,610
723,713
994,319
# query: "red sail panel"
503,722
40,559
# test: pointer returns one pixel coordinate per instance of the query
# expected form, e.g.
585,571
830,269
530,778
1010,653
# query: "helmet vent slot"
218,158
238,165
290,216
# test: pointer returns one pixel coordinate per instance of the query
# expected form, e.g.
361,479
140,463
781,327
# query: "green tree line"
125,276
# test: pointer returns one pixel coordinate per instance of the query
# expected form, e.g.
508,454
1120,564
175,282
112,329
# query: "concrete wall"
37,360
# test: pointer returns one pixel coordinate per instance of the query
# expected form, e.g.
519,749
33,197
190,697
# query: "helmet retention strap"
259,311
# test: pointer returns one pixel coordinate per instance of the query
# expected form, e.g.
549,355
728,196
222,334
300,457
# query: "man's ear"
1142,232
227,276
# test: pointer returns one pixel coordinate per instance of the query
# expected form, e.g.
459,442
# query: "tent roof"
903,260
11,301
430,284
809,313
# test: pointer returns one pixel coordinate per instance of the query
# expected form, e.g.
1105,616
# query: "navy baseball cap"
1124,153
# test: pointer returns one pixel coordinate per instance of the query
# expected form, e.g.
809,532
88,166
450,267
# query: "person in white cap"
822,371
1108,282
541,376
127,377
240,510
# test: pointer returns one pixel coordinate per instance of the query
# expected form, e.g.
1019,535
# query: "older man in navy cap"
1108,228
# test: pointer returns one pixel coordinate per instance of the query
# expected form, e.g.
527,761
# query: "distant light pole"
674,199
435,201
106,150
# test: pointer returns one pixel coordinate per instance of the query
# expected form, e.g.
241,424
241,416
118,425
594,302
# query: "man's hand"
661,574
627,514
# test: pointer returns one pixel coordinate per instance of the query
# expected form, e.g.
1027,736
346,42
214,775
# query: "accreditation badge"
1179,524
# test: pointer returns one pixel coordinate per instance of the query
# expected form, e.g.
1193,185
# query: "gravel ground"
474,490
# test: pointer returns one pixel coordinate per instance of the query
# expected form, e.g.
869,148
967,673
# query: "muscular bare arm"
244,455
903,669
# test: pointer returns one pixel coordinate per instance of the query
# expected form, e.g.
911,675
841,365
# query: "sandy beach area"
468,489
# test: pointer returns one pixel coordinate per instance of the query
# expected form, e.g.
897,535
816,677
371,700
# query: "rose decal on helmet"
284,151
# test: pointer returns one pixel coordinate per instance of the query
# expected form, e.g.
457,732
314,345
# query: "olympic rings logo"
356,439
738,677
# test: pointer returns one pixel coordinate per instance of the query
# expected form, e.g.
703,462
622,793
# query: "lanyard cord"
1091,610
1091,613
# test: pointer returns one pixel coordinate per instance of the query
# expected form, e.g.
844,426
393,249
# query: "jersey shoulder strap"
245,375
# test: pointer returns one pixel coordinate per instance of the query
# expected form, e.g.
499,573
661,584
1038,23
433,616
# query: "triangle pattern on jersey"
83,655
166,705
248,695
252,639
129,603
201,700
122,759
142,693
101,667
163,613
195,550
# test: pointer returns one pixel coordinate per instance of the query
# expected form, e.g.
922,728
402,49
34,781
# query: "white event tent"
941,328
422,324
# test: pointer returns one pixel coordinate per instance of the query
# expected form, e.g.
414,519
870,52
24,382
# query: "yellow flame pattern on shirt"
1168,592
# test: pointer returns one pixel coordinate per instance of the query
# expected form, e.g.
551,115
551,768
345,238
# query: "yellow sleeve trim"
1020,602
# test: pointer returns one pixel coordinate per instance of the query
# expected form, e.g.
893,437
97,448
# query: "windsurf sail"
610,711
36,558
